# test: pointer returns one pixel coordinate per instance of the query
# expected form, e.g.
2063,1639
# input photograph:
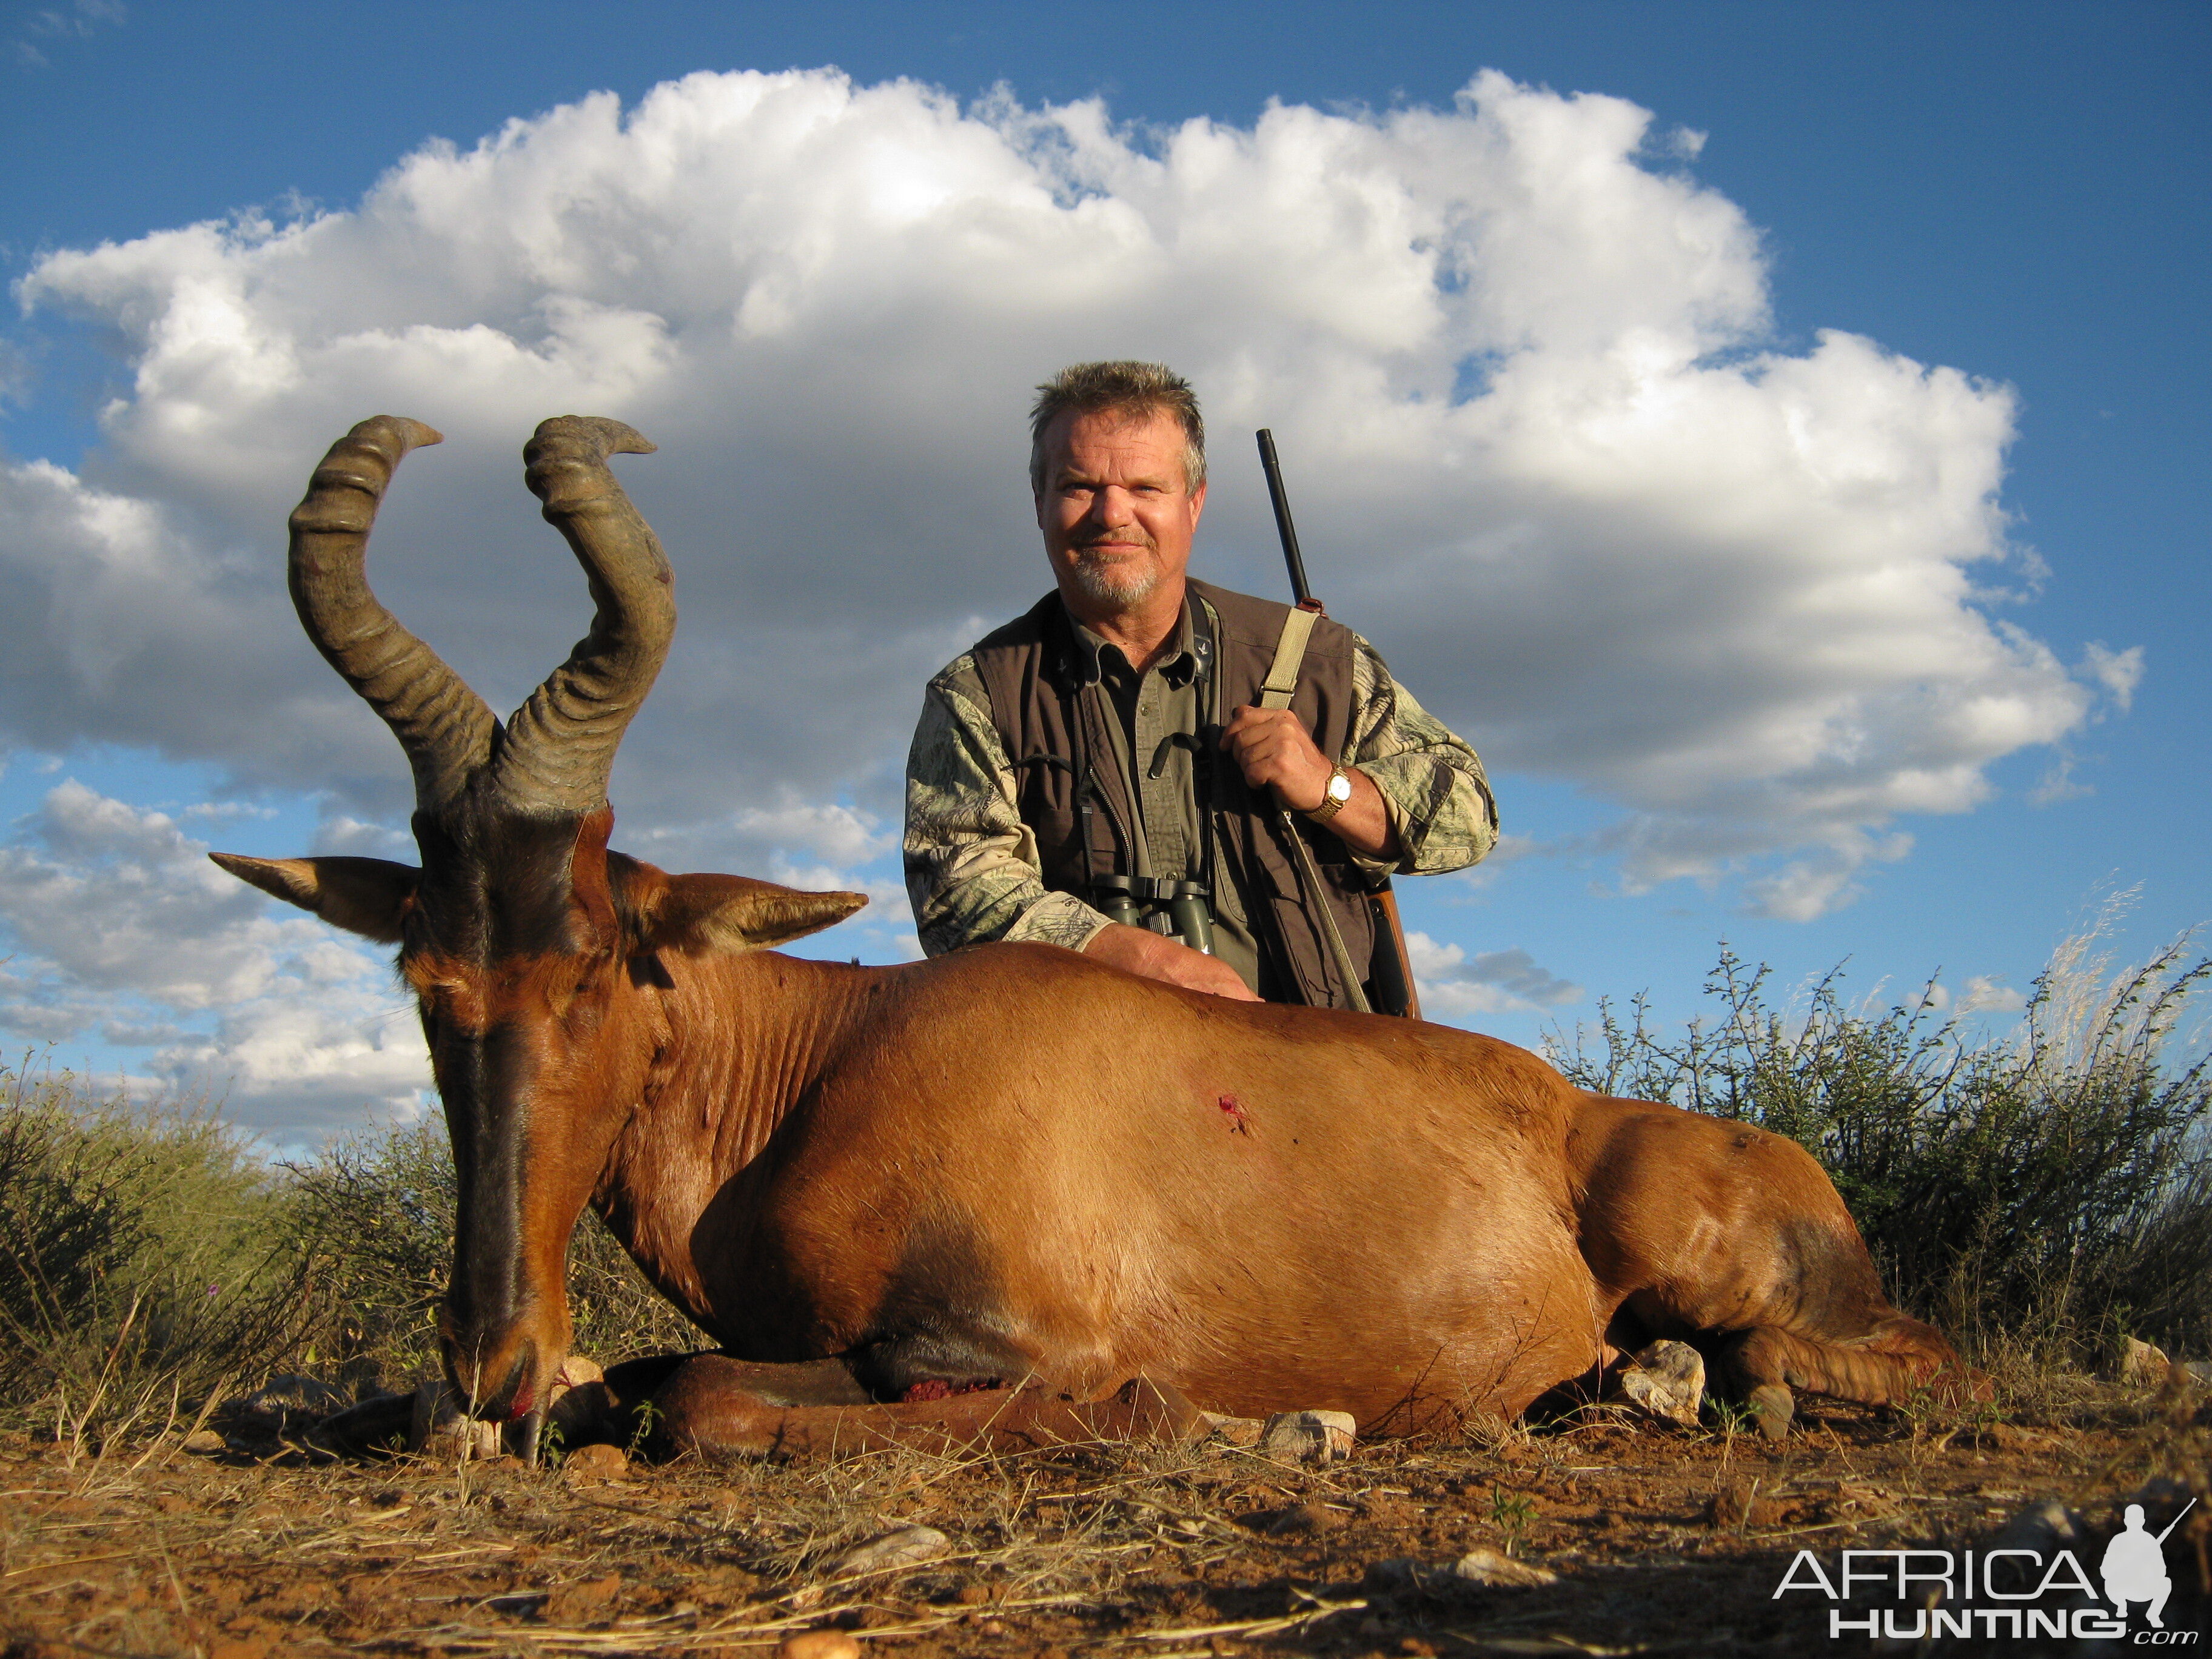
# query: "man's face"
1116,514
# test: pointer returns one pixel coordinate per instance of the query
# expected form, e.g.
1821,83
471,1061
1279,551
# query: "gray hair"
1130,388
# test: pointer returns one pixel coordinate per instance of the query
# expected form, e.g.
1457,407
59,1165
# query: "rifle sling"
1275,692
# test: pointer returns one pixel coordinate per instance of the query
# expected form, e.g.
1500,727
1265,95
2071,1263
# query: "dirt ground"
1663,1540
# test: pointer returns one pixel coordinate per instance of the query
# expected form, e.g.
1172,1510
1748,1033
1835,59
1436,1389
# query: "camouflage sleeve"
1432,783
971,864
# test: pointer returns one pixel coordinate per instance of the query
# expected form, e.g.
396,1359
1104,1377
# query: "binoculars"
1177,910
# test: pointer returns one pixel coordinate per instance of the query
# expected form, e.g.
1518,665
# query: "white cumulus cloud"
1451,981
121,926
1543,449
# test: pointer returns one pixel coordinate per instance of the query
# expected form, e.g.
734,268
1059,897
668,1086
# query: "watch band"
1333,798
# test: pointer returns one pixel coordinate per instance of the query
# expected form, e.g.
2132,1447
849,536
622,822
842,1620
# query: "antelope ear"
362,895
702,915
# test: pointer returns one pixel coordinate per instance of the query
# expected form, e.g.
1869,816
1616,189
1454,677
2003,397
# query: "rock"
575,1371
910,1547
1230,1430
441,1430
1479,1569
2140,1365
1668,1380
1304,1519
1487,1566
588,1464
205,1442
819,1645
1308,1437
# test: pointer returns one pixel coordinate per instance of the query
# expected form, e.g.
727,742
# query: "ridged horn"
445,728
561,744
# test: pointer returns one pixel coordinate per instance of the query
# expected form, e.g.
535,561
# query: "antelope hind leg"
1763,1365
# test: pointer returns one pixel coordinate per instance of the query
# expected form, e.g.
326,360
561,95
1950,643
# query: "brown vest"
1076,799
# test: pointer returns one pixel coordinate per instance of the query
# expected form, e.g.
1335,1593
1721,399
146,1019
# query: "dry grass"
1664,1540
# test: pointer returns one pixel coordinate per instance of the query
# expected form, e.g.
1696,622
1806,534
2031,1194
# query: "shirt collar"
1185,654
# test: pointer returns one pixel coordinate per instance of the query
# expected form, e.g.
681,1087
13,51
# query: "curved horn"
561,744
444,727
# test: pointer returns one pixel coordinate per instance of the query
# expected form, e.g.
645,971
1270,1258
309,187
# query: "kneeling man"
1108,772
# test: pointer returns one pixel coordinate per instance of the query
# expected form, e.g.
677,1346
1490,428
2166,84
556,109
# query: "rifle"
1391,972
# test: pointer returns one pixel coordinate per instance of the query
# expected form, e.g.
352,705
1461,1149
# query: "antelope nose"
496,1373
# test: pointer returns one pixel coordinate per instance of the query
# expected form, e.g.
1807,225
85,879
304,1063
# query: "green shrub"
141,1256
2051,1189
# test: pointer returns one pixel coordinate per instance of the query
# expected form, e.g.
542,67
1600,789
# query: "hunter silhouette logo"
2134,1568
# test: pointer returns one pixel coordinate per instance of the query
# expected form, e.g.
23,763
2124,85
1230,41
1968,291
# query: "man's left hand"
1273,749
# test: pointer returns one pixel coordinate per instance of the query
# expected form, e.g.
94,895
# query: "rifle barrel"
1284,528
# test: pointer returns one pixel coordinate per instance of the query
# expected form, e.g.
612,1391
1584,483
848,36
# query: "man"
1110,750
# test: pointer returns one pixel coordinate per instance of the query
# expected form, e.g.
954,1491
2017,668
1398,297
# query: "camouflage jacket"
972,866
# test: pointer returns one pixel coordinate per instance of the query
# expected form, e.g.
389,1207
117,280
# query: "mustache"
1091,543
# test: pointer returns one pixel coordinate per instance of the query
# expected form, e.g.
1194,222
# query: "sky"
1772,436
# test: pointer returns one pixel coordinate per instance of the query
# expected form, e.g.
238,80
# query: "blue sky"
2014,192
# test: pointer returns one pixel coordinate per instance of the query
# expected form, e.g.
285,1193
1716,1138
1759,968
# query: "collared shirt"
972,868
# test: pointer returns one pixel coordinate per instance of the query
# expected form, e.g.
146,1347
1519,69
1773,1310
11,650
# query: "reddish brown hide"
1011,1165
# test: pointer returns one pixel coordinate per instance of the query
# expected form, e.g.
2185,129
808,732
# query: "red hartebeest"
1010,1162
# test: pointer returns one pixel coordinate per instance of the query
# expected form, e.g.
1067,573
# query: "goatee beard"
1112,583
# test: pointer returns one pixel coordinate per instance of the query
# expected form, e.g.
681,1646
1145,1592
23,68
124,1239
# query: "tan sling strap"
1275,692
1282,681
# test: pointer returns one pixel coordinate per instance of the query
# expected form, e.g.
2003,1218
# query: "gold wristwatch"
1333,799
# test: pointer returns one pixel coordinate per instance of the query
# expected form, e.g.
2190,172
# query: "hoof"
1771,1405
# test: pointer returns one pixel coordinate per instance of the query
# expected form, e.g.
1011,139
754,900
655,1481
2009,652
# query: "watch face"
1340,788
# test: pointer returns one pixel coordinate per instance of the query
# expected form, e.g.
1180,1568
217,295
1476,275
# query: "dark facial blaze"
508,945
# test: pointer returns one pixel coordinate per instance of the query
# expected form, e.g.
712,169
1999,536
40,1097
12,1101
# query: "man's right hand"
1152,955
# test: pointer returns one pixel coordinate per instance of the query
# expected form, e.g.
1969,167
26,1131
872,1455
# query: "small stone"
1666,1380
819,1645
589,1464
205,1442
1308,1437
1488,1567
2140,1365
575,1371
910,1547
1479,1569
1304,1519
